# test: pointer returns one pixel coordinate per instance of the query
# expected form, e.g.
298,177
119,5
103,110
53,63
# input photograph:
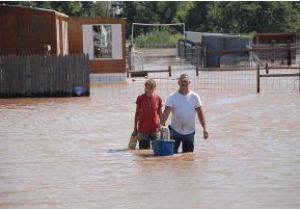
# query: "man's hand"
205,134
202,121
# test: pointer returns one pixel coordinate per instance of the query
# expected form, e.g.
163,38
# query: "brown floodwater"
71,152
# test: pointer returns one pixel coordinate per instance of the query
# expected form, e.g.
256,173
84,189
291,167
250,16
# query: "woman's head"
150,86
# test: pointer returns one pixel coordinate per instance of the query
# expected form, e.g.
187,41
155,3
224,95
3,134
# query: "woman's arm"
134,133
160,113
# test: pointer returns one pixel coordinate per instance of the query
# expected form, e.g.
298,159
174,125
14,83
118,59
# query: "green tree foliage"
246,17
196,17
71,8
223,17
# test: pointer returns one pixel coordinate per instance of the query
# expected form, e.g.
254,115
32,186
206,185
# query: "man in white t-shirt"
184,104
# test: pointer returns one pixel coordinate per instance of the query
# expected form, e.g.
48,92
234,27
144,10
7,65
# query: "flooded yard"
71,153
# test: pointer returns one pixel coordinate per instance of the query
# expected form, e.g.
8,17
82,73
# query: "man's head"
184,82
150,86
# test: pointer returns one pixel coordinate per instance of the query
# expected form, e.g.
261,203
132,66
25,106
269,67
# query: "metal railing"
135,60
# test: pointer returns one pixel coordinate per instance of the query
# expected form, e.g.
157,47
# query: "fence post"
193,55
184,47
273,52
205,57
170,71
289,56
267,68
257,79
197,70
199,54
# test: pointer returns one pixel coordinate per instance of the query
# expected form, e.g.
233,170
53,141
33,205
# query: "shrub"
157,39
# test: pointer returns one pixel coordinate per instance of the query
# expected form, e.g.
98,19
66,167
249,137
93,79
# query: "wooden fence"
43,76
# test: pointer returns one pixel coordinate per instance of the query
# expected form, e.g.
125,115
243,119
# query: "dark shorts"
145,139
186,140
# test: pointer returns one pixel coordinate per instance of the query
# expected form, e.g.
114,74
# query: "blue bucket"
163,147
79,90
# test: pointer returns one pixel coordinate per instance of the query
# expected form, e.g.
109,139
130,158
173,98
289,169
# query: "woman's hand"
134,133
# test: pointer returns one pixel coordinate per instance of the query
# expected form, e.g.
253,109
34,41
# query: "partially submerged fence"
44,76
281,72
270,79
226,81
237,74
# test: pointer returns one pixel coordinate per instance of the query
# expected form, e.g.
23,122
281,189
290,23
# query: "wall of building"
26,30
62,35
277,38
81,41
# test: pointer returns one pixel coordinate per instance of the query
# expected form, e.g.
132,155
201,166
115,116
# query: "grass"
157,39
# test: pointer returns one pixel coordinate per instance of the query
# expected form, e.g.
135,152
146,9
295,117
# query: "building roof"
21,7
221,34
283,34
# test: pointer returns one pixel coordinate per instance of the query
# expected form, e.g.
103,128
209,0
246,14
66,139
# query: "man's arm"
165,115
202,121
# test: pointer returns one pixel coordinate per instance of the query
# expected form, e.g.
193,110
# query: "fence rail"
43,76
259,75
144,73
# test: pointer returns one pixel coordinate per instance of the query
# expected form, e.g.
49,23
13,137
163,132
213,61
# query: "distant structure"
227,50
27,30
216,45
274,38
277,48
33,31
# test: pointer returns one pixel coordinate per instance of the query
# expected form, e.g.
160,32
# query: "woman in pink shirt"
147,115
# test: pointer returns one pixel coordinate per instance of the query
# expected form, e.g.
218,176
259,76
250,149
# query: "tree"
246,17
196,16
223,17
154,12
74,8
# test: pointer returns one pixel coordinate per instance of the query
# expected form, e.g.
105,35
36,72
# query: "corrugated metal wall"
218,42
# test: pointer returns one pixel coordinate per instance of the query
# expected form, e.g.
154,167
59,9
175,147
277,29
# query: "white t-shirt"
183,111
